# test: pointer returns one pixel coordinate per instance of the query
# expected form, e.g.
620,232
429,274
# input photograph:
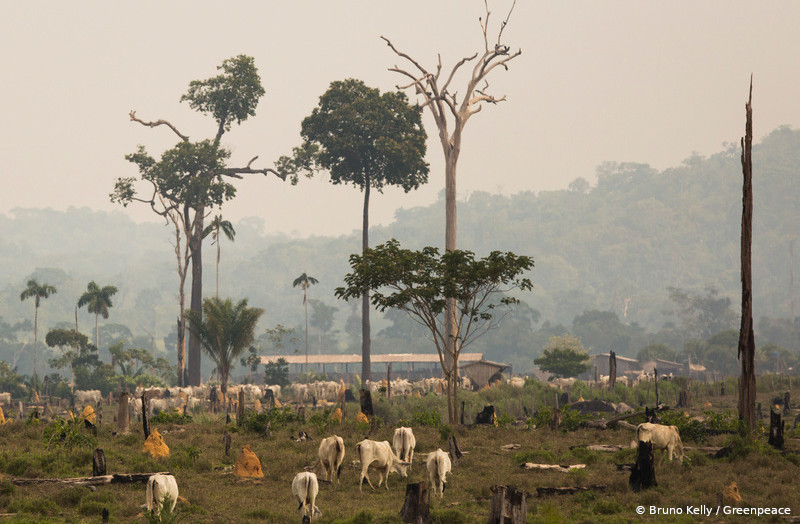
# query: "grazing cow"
305,488
404,444
662,437
87,397
438,464
517,382
379,455
5,398
331,456
158,488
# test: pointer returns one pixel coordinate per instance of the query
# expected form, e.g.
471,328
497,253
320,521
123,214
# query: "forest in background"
640,257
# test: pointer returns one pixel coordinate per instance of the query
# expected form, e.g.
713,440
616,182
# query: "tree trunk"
612,369
509,505
181,346
747,345
123,422
416,508
305,305
196,248
775,430
97,330
450,244
35,339
145,421
218,253
366,367
98,463
643,474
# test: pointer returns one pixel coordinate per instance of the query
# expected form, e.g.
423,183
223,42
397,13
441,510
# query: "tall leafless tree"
747,345
451,111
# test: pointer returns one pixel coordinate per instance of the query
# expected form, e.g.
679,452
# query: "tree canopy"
563,356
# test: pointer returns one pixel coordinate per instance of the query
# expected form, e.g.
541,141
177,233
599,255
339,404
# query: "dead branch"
159,122
569,490
237,172
117,478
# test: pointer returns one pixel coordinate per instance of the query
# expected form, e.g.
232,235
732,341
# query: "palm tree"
224,331
216,227
37,291
305,281
98,301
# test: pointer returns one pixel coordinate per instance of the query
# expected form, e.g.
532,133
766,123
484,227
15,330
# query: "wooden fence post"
509,505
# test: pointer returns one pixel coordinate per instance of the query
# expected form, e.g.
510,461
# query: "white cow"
404,444
158,488
438,464
305,488
379,455
662,437
87,397
331,456
5,398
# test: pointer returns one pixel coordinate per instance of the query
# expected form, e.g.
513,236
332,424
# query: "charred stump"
455,452
145,421
486,416
509,505
366,403
612,369
98,463
643,473
123,416
776,430
416,508
555,419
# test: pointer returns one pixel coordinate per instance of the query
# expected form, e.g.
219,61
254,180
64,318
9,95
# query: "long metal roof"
375,358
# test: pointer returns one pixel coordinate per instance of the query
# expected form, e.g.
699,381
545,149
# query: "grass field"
765,477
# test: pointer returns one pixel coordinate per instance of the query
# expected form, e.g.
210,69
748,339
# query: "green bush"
426,417
68,435
170,417
277,418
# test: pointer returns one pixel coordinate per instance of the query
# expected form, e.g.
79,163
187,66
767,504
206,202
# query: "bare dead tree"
747,345
451,113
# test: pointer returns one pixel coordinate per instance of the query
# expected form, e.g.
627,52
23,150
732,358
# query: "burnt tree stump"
509,505
366,403
776,430
555,419
486,416
643,473
786,402
455,452
98,463
145,421
683,398
123,417
226,440
612,369
240,408
416,508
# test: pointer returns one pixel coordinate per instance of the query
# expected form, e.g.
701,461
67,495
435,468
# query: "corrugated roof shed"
374,358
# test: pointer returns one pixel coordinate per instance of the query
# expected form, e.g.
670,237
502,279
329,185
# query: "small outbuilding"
481,372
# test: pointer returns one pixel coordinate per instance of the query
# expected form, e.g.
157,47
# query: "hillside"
615,246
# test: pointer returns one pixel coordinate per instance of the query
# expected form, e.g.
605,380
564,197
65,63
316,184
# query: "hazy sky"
638,81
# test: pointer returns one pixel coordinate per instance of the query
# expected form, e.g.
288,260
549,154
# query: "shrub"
61,433
170,417
277,418
427,417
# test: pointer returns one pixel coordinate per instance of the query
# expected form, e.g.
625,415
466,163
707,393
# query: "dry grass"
765,478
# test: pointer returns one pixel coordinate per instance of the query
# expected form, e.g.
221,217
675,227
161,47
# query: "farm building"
481,371
664,367
412,366
625,366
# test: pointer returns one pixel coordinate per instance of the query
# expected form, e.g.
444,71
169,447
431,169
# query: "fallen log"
600,447
556,467
117,478
569,490
610,423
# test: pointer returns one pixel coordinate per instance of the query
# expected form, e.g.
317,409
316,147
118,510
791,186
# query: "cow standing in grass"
379,456
438,464
159,488
404,444
331,456
662,437
305,488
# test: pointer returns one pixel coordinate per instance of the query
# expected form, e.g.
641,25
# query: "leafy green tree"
224,330
217,228
98,301
37,292
277,373
11,381
703,315
72,344
421,283
305,281
138,366
369,139
655,351
193,176
564,356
